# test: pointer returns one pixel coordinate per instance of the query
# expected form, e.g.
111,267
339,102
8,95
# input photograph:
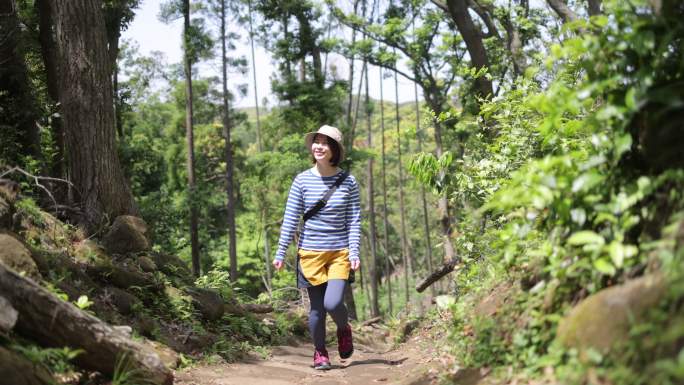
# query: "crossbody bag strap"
324,199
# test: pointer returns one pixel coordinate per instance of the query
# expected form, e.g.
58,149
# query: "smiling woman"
328,247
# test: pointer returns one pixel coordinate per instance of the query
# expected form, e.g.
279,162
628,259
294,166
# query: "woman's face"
321,149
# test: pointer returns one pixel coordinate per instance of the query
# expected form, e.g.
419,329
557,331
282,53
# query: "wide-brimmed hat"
329,131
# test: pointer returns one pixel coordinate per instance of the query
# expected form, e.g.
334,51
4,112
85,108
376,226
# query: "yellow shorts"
317,267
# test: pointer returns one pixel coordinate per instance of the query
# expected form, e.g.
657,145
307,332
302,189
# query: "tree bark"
256,95
458,10
53,322
561,8
189,135
402,209
374,304
49,54
594,7
227,127
85,94
385,216
443,202
426,220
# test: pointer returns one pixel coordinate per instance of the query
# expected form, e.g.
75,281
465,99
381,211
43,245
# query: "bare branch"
562,9
36,179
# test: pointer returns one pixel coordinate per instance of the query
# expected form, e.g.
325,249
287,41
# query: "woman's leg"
334,302
317,315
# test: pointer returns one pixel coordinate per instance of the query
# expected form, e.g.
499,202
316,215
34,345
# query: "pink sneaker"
344,342
321,360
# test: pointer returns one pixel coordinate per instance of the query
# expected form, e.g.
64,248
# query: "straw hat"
329,131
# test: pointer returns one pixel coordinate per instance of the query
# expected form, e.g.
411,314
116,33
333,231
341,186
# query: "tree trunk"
385,217
406,258
50,321
256,95
374,305
443,202
426,220
458,10
227,127
49,54
350,140
194,241
594,7
15,90
85,94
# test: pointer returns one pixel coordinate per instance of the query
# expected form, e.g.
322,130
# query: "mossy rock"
604,318
168,356
127,235
124,301
15,369
209,303
15,255
147,264
172,265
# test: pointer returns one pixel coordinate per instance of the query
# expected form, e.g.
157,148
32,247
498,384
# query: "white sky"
153,35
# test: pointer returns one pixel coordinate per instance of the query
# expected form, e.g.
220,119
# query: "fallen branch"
257,308
371,321
446,268
50,321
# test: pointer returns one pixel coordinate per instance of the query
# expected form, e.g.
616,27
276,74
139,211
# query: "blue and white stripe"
336,226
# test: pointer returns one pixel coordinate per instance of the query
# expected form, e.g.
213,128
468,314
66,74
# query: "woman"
329,241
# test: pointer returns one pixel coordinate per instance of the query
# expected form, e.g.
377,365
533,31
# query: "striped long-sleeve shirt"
336,226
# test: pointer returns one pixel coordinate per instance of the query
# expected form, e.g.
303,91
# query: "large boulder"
17,257
17,370
8,315
604,318
8,195
127,235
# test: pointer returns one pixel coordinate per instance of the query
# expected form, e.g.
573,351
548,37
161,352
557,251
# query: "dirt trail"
413,363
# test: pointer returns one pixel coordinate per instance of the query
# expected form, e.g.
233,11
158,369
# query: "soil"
413,363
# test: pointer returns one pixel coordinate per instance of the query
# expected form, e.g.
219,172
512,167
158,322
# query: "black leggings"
326,298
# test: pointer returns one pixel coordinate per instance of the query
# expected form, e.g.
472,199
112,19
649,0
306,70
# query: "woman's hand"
278,264
355,264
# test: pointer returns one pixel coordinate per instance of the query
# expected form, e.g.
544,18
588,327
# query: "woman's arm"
293,212
353,217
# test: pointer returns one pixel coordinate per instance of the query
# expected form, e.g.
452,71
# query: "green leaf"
586,237
604,266
586,181
619,252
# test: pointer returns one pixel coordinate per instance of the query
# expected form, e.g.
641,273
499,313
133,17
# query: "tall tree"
423,200
405,250
374,306
118,14
85,94
227,127
385,216
189,135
